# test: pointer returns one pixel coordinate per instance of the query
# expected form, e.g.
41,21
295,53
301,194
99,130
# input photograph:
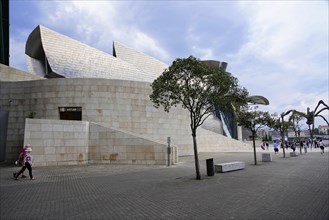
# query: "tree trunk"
254,145
300,148
196,156
282,143
311,134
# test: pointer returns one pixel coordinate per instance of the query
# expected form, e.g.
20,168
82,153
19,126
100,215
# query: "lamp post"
282,130
253,131
168,150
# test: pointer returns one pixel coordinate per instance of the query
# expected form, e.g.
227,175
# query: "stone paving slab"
286,188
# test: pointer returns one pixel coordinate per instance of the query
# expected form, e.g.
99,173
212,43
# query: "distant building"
323,129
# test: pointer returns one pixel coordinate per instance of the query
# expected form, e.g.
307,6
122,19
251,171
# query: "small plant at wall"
31,114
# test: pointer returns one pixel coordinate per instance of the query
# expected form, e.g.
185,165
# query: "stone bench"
231,166
293,154
266,157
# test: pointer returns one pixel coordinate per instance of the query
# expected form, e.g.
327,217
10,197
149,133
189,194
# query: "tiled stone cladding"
64,142
11,74
108,145
71,58
212,142
116,104
57,142
13,99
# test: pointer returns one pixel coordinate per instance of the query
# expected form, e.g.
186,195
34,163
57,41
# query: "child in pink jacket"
27,164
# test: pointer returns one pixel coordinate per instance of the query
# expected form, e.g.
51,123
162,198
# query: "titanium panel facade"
51,54
139,60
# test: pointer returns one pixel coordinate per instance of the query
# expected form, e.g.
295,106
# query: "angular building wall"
11,74
89,85
54,55
117,104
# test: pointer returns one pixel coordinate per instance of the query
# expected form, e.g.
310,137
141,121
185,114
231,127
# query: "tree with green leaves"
196,87
253,120
295,119
279,124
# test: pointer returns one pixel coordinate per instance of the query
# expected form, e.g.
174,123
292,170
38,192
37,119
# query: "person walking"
276,147
263,146
20,160
27,164
309,143
321,146
300,147
315,143
293,146
305,147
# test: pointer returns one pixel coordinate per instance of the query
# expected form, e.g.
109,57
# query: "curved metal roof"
257,99
52,54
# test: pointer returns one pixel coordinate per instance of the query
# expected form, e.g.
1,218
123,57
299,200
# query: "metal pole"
168,150
282,136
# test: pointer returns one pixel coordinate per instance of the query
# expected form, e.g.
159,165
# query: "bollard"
168,150
210,167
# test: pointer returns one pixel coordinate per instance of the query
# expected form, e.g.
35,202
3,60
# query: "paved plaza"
286,188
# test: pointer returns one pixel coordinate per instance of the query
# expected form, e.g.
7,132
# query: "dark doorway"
70,113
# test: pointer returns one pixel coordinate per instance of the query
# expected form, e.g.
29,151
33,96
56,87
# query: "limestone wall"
60,142
211,142
11,74
108,145
57,142
117,104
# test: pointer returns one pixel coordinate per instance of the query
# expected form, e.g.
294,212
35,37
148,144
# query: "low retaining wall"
60,142
57,142
108,145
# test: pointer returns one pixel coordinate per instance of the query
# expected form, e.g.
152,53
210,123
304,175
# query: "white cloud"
100,23
286,55
17,51
194,41
148,44
290,34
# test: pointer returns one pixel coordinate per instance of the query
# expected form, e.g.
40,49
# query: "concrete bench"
293,154
231,166
266,157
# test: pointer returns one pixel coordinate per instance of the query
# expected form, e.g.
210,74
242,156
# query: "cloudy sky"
277,49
